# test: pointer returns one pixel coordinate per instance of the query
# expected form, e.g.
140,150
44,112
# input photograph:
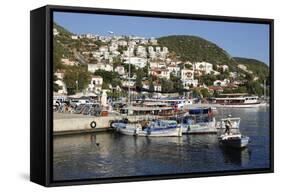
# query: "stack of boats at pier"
194,121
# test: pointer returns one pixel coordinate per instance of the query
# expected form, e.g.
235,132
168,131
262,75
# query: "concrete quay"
77,123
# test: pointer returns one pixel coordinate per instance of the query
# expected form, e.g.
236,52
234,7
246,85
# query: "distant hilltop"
196,49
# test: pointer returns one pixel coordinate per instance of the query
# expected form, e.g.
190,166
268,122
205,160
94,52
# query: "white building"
221,83
161,73
153,55
141,51
187,78
153,41
106,55
132,44
187,83
143,41
157,86
55,32
75,37
126,83
113,47
94,67
115,53
59,82
66,61
165,50
122,43
150,49
120,70
243,67
129,52
204,66
90,36
103,49
138,62
223,67
158,49
104,39
174,69
162,55
234,75
145,85
95,84
216,72
187,74
157,65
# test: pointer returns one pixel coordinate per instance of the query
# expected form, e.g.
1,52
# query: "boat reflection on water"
203,141
240,157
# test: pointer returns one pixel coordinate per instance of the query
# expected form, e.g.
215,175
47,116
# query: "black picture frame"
41,114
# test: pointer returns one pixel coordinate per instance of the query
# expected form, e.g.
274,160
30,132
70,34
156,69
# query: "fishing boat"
232,138
198,121
155,128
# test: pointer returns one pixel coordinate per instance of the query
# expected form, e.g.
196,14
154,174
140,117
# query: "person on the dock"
228,125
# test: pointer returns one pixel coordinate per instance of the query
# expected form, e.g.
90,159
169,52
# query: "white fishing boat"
234,140
231,136
156,128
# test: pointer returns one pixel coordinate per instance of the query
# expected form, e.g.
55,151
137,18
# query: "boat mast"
129,90
129,80
264,89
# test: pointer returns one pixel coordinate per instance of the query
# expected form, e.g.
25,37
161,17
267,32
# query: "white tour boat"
237,101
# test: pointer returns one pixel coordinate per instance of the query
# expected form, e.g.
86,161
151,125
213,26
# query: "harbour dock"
78,123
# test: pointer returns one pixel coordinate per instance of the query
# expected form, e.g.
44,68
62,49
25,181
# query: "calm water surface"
101,155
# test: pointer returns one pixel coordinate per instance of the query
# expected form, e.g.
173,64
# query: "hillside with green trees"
76,78
258,68
195,49
62,30
182,48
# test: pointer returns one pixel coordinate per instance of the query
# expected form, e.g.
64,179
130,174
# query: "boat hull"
171,133
133,130
176,132
235,143
239,106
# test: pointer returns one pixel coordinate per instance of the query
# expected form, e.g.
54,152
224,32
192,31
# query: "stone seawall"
73,123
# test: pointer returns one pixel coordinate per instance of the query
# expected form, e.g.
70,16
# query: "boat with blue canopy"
198,121
154,128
